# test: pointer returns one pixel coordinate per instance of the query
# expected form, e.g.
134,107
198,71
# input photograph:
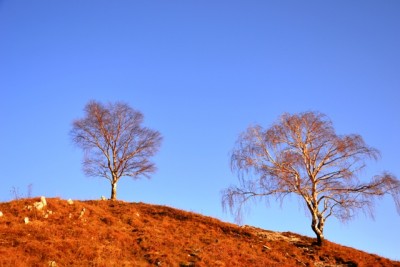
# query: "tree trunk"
113,190
318,227
320,239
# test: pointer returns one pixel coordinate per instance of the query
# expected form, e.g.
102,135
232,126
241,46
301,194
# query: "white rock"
1,214
43,200
41,204
47,214
82,213
69,201
26,220
103,198
38,205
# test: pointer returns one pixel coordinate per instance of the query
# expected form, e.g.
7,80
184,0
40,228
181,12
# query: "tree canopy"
115,143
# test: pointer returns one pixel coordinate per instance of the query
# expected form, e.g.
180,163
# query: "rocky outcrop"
41,204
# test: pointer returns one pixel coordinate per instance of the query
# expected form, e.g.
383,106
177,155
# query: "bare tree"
301,154
114,142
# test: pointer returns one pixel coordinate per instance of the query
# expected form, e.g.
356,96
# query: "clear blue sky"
201,72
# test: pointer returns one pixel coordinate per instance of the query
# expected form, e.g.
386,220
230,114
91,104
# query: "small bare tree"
301,154
114,142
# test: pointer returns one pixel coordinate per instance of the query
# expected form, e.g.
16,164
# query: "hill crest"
116,233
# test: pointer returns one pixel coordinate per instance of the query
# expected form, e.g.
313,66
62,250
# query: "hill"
116,233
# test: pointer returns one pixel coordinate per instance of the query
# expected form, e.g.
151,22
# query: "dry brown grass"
136,234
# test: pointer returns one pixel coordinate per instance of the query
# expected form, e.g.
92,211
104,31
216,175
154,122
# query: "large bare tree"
301,154
115,143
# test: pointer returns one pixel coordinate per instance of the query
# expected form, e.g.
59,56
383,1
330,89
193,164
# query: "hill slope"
105,233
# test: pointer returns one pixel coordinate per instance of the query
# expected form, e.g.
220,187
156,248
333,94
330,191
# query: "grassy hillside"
105,233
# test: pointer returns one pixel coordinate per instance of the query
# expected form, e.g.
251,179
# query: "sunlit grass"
115,233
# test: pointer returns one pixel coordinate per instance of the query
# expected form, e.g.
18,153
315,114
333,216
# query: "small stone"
52,264
48,212
43,200
69,201
26,220
82,213
1,214
38,205
103,198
